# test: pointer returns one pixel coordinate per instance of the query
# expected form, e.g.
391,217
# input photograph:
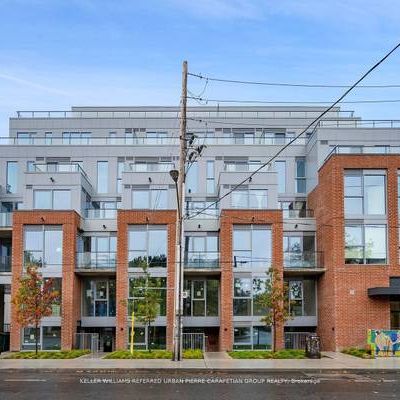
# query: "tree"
148,306
34,300
275,301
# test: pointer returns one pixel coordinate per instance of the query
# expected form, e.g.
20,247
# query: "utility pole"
179,226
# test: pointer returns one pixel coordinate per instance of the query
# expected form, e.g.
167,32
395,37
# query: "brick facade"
244,217
142,217
70,307
345,311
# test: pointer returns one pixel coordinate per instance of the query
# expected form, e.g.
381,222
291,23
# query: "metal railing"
5,219
297,213
96,260
360,149
205,259
101,213
5,263
193,341
302,259
58,168
296,340
87,341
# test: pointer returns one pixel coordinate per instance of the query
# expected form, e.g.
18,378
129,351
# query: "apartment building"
86,196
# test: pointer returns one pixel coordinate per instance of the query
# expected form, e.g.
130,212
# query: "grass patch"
154,354
47,355
356,352
265,354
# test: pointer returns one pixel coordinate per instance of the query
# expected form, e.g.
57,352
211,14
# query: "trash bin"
313,346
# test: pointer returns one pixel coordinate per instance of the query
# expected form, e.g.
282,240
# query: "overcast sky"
58,53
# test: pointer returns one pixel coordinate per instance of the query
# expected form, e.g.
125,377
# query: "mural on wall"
384,343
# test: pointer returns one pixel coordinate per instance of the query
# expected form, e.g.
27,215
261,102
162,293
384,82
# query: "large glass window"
210,177
99,298
249,198
120,170
246,291
49,338
252,246
365,244
280,167
156,335
43,245
300,175
192,178
137,289
201,252
301,295
147,244
364,193
102,177
299,251
12,176
252,337
52,199
155,199
76,138
201,298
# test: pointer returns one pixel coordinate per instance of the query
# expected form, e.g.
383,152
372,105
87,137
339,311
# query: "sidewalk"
330,361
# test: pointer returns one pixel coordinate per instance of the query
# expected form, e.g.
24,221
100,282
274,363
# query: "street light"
177,354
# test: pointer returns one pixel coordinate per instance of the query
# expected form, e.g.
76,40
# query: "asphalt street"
121,385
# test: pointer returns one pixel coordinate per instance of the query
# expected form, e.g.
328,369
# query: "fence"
87,341
193,341
296,340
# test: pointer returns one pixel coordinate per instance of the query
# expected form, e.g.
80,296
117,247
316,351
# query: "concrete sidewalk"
330,361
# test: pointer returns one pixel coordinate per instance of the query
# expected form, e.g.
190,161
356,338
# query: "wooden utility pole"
179,226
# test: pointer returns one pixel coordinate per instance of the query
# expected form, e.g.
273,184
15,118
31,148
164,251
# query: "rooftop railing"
357,149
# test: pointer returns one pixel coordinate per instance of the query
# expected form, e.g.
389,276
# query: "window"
97,252
120,170
147,244
26,137
43,245
202,298
365,244
280,167
12,176
48,138
99,298
300,175
364,194
193,207
249,198
142,335
49,338
112,138
56,306
130,136
192,177
201,252
295,209
302,301
155,199
52,199
137,288
252,337
245,294
76,138
156,137
299,251
102,176
251,246
210,177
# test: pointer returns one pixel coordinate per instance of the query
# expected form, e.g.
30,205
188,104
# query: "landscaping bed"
266,354
356,352
154,354
46,355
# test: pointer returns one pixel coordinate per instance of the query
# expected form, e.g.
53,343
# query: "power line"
304,85
205,100
315,121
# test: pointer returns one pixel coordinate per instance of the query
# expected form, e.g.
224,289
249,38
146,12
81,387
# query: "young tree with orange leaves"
34,300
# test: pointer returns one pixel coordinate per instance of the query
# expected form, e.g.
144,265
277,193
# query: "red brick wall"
244,217
70,221
142,217
345,311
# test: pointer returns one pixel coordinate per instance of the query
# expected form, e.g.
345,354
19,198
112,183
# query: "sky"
58,53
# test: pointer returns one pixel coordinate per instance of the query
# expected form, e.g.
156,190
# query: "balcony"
90,261
302,213
5,219
5,263
201,260
101,213
303,261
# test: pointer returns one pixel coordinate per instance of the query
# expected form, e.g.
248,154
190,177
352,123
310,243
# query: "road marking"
25,380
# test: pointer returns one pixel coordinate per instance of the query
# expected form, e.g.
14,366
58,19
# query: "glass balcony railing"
57,168
302,259
5,263
209,259
5,219
90,260
298,213
101,213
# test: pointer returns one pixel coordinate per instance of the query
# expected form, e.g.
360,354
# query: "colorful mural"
384,343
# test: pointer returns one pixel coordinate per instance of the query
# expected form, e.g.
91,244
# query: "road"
141,385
